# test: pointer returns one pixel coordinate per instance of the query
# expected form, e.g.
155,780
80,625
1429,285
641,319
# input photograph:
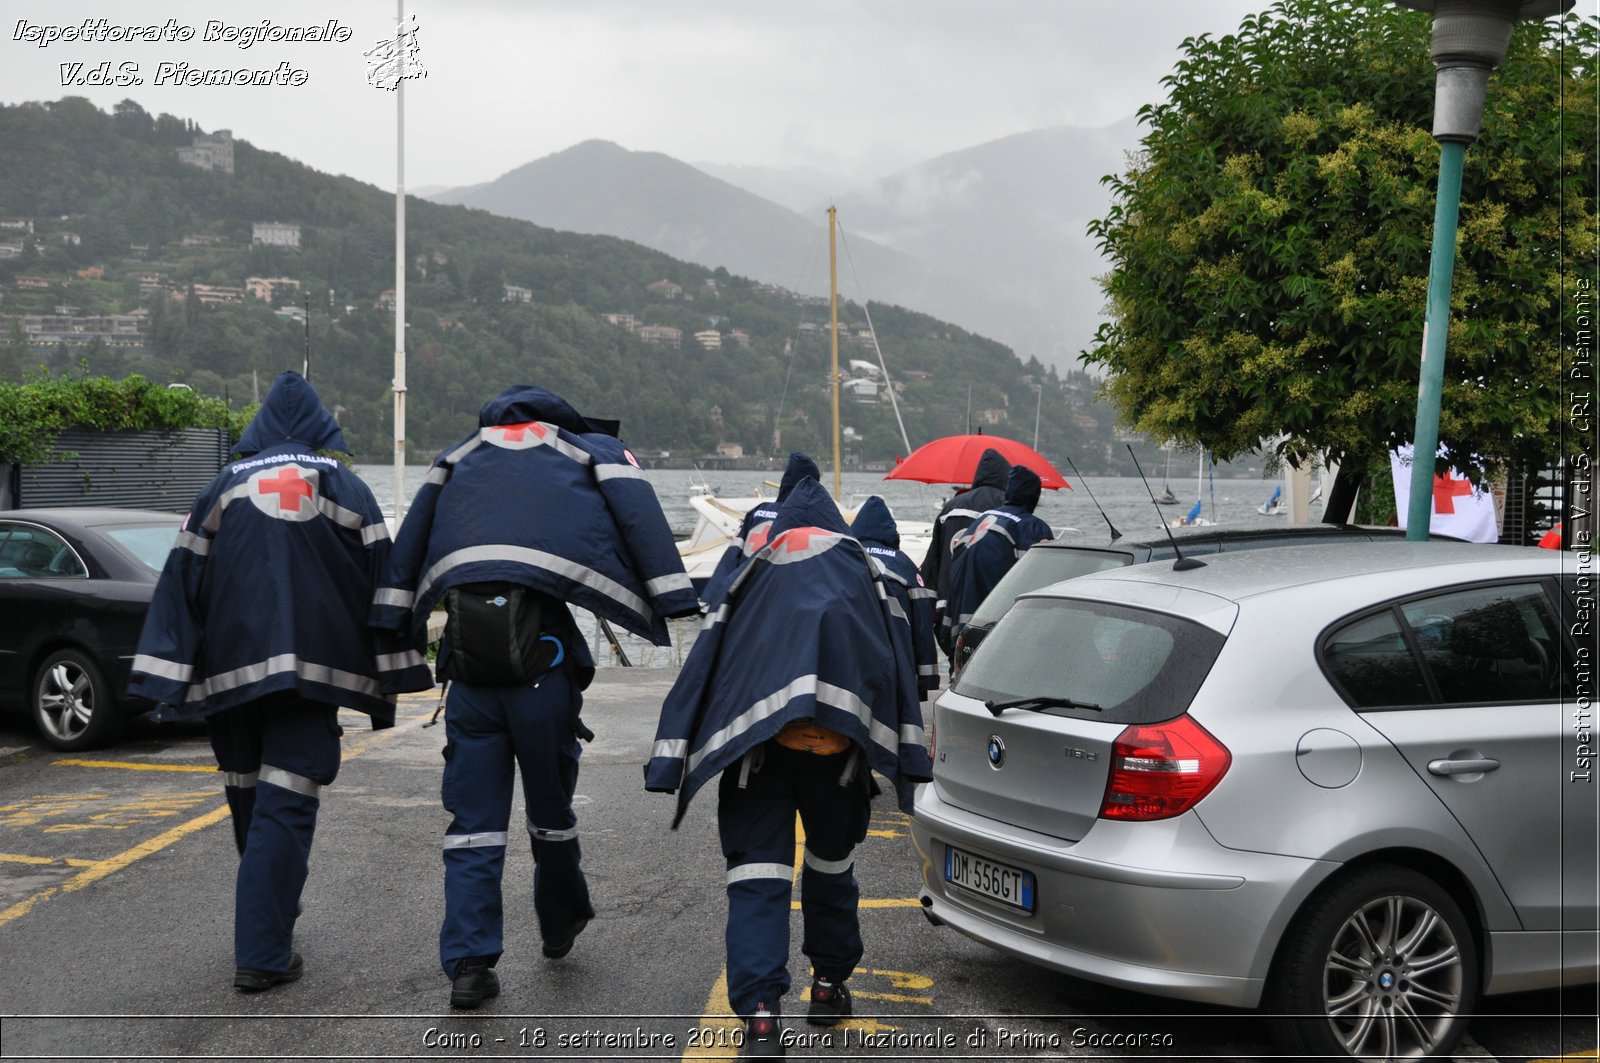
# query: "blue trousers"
277,755
490,732
756,823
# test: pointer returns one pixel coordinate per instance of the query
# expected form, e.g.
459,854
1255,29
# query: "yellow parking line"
100,869
131,765
103,868
1590,1054
18,858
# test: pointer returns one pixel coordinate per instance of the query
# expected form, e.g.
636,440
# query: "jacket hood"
292,413
1023,487
522,403
992,471
808,506
874,522
800,466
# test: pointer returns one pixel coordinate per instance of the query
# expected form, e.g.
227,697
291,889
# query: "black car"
74,588
1052,562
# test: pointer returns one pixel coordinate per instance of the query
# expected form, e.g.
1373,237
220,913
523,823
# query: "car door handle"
1462,767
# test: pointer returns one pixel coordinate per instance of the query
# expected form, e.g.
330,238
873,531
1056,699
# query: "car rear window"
1138,666
148,544
1040,568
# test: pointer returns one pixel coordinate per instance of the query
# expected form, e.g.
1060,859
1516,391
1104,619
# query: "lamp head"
1470,38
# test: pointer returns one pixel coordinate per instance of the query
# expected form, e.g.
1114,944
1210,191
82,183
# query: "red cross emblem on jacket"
284,491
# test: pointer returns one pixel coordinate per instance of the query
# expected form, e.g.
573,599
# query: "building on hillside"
385,301
20,225
661,334
859,367
710,339
207,294
665,288
627,322
730,450
516,294
29,283
12,249
212,152
265,288
993,415
92,273
48,330
296,314
740,337
71,239
861,389
275,233
201,240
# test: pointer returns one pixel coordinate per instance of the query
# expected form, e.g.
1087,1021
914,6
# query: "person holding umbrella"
988,491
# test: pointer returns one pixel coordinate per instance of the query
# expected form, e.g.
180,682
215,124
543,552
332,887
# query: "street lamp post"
1470,38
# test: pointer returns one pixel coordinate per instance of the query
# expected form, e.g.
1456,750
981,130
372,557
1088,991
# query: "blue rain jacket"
987,491
991,545
268,585
875,527
805,631
757,523
542,496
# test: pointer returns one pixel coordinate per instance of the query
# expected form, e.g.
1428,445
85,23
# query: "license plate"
1009,885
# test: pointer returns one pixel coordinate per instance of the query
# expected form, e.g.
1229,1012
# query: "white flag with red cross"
1460,508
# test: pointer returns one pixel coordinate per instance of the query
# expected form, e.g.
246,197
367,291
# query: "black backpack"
492,635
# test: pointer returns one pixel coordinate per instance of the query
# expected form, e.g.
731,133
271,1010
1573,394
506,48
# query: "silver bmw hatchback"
1351,786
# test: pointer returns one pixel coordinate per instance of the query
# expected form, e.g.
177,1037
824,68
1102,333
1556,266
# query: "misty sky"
854,89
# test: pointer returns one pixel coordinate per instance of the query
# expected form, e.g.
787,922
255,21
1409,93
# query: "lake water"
1070,513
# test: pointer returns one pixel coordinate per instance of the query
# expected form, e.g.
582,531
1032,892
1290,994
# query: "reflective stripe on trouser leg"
829,894
835,819
299,755
240,789
540,723
476,790
755,823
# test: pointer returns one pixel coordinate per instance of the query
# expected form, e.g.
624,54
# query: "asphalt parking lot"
116,879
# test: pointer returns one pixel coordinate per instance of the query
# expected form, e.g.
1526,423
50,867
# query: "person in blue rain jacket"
987,491
753,529
258,624
875,527
991,544
799,685
545,499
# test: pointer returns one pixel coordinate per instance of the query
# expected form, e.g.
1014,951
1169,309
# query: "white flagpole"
400,269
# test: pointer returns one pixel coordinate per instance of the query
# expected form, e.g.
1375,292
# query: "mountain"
662,203
799,188
993,237
1013,215
120,253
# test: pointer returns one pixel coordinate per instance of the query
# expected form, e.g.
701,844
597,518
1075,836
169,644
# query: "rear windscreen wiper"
1038,703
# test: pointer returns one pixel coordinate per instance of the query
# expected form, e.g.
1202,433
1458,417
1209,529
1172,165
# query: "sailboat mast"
833,330
400,267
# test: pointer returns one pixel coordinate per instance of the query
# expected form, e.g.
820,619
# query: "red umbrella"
953,460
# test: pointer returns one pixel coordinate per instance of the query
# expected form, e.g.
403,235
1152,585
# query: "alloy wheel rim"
66,698
1393,978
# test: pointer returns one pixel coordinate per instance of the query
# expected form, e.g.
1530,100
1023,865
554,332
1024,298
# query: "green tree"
1270,242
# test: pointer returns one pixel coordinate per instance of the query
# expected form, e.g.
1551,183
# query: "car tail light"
1162,770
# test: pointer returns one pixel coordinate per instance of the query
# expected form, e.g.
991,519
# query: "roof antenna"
1183,564
1115,535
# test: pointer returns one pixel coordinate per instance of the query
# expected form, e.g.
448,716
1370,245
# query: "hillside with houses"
132,243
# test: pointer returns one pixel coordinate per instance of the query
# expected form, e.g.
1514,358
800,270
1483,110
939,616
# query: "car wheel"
73,704
1379,965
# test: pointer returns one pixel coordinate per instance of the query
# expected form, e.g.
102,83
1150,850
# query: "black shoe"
254,980
763,1034
475,982
830,1003
556,949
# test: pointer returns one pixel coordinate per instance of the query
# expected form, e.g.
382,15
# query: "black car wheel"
1381,965
73,704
